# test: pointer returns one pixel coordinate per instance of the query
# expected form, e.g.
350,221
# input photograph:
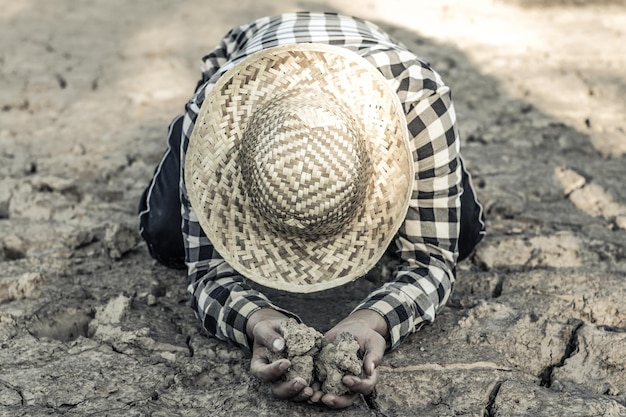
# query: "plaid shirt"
426,241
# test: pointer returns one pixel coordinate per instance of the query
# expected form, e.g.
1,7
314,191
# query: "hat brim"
214,182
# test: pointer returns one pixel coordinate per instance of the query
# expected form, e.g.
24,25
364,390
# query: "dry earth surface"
91,326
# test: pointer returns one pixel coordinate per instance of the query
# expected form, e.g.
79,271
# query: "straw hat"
299,169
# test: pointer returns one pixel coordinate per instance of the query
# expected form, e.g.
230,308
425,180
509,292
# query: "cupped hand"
263,328
370,331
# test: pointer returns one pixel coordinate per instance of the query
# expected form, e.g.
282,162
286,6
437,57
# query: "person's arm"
232,311
264,329
220,296
427,240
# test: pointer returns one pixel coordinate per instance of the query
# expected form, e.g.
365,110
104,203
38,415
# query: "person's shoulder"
402,67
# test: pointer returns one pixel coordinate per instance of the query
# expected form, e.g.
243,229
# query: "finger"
374,351
288,389
266,334
268,372
317,392
363,386
337,401
303,395
370,362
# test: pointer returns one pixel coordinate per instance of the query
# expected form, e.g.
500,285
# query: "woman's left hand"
370,330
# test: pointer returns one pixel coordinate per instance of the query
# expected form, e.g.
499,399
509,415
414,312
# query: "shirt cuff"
238,335
399,317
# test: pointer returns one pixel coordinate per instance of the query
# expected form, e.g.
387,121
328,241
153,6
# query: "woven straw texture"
298,168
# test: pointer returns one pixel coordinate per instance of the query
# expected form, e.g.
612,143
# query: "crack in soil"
18,390
370,401
570,349
189,347
489,411
63,408
612,329
497,290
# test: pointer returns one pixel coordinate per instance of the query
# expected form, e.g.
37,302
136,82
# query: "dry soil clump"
302,344
312,358
336,360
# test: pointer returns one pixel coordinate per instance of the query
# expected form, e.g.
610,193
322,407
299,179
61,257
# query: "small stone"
51,183
30,167
119,239
25,286
14,247
114,310
485,257
80,238
151,300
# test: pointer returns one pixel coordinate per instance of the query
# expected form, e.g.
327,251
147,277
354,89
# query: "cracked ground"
91,326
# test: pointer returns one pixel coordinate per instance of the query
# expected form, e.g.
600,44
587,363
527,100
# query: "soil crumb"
302,344
314,359
336,360
300,339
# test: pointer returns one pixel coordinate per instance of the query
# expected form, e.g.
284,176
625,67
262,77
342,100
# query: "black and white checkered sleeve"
220,297
427,240
232,44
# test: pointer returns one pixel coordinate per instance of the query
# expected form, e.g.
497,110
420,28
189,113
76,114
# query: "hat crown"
304,165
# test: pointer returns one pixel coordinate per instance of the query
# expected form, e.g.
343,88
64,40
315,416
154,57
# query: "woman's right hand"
263,328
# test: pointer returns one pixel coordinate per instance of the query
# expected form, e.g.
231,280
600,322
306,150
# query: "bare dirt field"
91,326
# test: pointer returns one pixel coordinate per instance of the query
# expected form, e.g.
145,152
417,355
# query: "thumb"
267,335
369,364
374,351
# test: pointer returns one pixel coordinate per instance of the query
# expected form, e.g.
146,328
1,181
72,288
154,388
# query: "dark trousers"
160,217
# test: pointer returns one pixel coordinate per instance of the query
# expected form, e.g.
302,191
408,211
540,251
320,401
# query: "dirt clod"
302,344
14,247
24,286
300,339
119,239
312,358
336,360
